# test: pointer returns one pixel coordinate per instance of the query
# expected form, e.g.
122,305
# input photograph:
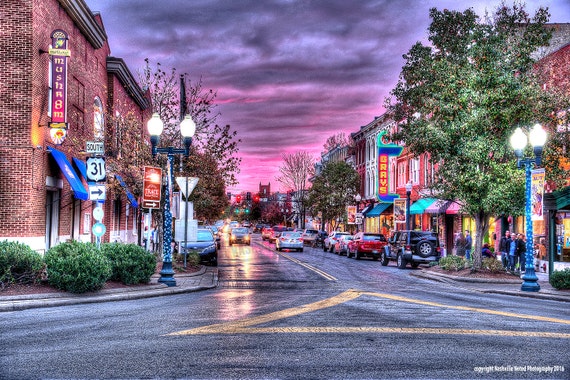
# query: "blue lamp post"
187,130
537,137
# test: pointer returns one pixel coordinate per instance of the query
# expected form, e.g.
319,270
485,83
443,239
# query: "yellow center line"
308,266
243,326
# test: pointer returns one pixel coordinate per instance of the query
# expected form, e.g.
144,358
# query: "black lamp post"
357,220
408,193
187,130
518,142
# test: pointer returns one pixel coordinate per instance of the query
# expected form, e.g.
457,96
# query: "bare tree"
296,171
339,139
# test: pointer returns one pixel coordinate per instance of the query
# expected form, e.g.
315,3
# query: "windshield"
205,235
240,230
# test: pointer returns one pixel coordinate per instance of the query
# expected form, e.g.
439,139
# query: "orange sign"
152,187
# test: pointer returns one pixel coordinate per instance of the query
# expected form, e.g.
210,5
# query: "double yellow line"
308,266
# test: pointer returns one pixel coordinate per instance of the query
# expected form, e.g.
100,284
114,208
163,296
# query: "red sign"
59,55
152,187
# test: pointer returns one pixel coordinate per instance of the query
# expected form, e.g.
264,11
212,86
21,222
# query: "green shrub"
19,264
131,264
77,267
452,263
560,279
493,265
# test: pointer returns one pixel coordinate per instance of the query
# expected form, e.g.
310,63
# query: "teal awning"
420,205
70,174
378,209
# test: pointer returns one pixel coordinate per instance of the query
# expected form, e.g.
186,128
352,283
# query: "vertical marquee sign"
385,151
59,54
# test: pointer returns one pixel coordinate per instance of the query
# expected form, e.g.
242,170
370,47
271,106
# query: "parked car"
330,241
265,233
341,245
289,240
309,236
422,248
366,244
240,235
205,245
276,232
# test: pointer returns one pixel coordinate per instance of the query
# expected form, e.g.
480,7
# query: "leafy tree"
333,190
461,97
295,172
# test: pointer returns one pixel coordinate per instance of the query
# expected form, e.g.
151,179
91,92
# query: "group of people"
513,251
464,245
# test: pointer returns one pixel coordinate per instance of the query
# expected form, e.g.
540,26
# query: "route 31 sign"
96,169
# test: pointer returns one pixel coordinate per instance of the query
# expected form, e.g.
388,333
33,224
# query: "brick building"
58,78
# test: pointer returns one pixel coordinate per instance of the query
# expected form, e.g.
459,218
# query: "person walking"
521,252
460,245
468,245
504,249
512,254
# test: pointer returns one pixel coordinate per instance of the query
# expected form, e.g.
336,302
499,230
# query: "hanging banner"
59,54
399,210
537,193
351,214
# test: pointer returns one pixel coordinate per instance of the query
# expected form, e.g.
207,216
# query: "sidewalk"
507,287
206,278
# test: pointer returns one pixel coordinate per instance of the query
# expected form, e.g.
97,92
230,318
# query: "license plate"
374,251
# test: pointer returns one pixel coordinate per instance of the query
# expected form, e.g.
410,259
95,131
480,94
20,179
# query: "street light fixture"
519,142
187,129
357,198
408,193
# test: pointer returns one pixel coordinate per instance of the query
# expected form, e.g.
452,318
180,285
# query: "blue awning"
82,169
70,174
367,209
378,209
420,205
130,196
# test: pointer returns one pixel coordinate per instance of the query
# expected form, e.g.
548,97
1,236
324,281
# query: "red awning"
453,208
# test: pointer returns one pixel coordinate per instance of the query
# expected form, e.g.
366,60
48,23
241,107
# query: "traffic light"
247,211
238,198
256,198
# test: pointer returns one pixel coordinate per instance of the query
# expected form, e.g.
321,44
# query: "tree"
336,140
333,190
461,97
296,171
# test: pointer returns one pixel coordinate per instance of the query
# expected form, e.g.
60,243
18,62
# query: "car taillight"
300,239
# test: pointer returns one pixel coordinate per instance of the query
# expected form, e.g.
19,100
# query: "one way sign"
97,193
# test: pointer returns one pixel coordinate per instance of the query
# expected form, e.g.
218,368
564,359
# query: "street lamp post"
187,130
408,193
518,142
357,198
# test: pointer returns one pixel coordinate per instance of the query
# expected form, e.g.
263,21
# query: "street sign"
152,186
95,147
184,182
98,213
150,204
96,169
97,193
98,229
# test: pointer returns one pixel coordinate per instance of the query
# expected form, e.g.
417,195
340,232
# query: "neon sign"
385,152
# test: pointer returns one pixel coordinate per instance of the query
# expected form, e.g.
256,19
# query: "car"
289,240
246,223
309,236
265,233
320,239
366,244
330,240
341,245
240,235
276,232
205,246
422,247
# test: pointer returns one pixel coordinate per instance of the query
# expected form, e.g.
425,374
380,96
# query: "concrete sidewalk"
508,287
205,278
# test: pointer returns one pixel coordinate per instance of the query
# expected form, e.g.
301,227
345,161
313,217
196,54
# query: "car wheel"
415,265
384,259
401,261
425,248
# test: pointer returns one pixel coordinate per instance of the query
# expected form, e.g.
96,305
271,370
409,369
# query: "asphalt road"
295,315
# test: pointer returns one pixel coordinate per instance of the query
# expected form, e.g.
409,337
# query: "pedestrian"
468,245
460,245
486,251
146,237
504,248
512,254
521,252
152,238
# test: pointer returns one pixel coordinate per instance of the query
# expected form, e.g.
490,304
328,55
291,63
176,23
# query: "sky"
288,73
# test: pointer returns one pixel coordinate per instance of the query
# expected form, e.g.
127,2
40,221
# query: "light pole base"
167,274
530,281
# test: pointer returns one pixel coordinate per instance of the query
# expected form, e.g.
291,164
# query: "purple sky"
289,73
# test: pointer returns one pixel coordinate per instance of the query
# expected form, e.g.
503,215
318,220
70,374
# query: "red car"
366,244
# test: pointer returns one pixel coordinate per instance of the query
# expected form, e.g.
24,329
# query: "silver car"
289,240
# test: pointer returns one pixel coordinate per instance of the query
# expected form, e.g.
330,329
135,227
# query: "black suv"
422,248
